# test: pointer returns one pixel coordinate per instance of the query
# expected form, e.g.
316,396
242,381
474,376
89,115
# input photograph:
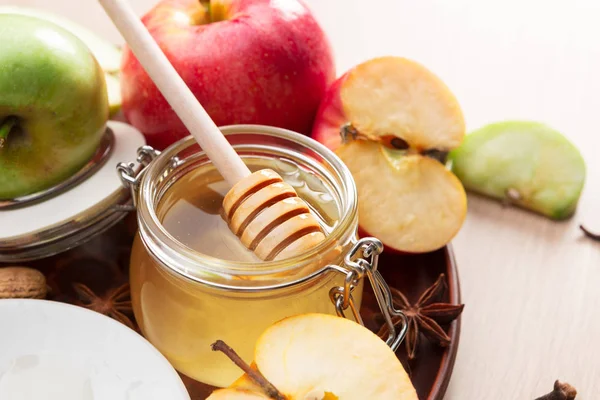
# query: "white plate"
56,351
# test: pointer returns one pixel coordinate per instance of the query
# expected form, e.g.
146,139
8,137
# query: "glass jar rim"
188,261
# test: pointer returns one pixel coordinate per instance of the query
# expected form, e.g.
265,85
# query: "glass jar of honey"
192,280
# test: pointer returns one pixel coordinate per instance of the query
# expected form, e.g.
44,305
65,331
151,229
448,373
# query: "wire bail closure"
361,261
130,178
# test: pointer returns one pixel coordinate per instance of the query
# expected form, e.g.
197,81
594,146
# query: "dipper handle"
176,92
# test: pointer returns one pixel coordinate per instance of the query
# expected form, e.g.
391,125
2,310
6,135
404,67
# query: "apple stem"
206,5
6,127
590,234
254,374
216,11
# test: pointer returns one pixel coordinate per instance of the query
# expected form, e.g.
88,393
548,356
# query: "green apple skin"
53,85
525,163
107,54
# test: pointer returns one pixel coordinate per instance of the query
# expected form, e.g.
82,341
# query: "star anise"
425,316
115,303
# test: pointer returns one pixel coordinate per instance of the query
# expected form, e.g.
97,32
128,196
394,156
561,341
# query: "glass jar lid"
92,204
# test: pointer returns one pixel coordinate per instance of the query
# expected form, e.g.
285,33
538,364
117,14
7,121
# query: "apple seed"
399,143
439,155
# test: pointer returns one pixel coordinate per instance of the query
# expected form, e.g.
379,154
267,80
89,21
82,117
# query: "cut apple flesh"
410,202
525,163
317,354
395,96
323,357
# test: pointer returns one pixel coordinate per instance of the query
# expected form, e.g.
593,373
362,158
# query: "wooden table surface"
531,286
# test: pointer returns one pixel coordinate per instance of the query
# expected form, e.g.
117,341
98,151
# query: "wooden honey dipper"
260,208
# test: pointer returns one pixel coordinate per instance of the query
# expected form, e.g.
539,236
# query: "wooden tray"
102,265
430,372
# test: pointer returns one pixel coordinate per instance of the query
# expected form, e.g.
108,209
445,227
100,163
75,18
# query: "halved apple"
107,54
323,357
391,121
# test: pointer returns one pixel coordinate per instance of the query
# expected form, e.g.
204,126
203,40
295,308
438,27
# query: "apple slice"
524,163
322,357
107,54
399,120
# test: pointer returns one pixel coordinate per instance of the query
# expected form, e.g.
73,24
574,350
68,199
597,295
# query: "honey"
191,209
192,280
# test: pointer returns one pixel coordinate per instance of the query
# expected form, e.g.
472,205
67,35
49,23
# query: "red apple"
247,61
398,116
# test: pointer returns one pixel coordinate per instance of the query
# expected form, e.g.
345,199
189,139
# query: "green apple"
107,54
524,163
53,105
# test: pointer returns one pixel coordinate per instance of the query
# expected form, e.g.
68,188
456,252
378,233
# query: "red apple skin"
330,116
269,62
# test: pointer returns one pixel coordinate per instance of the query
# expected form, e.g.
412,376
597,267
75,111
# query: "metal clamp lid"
361,261
131,178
